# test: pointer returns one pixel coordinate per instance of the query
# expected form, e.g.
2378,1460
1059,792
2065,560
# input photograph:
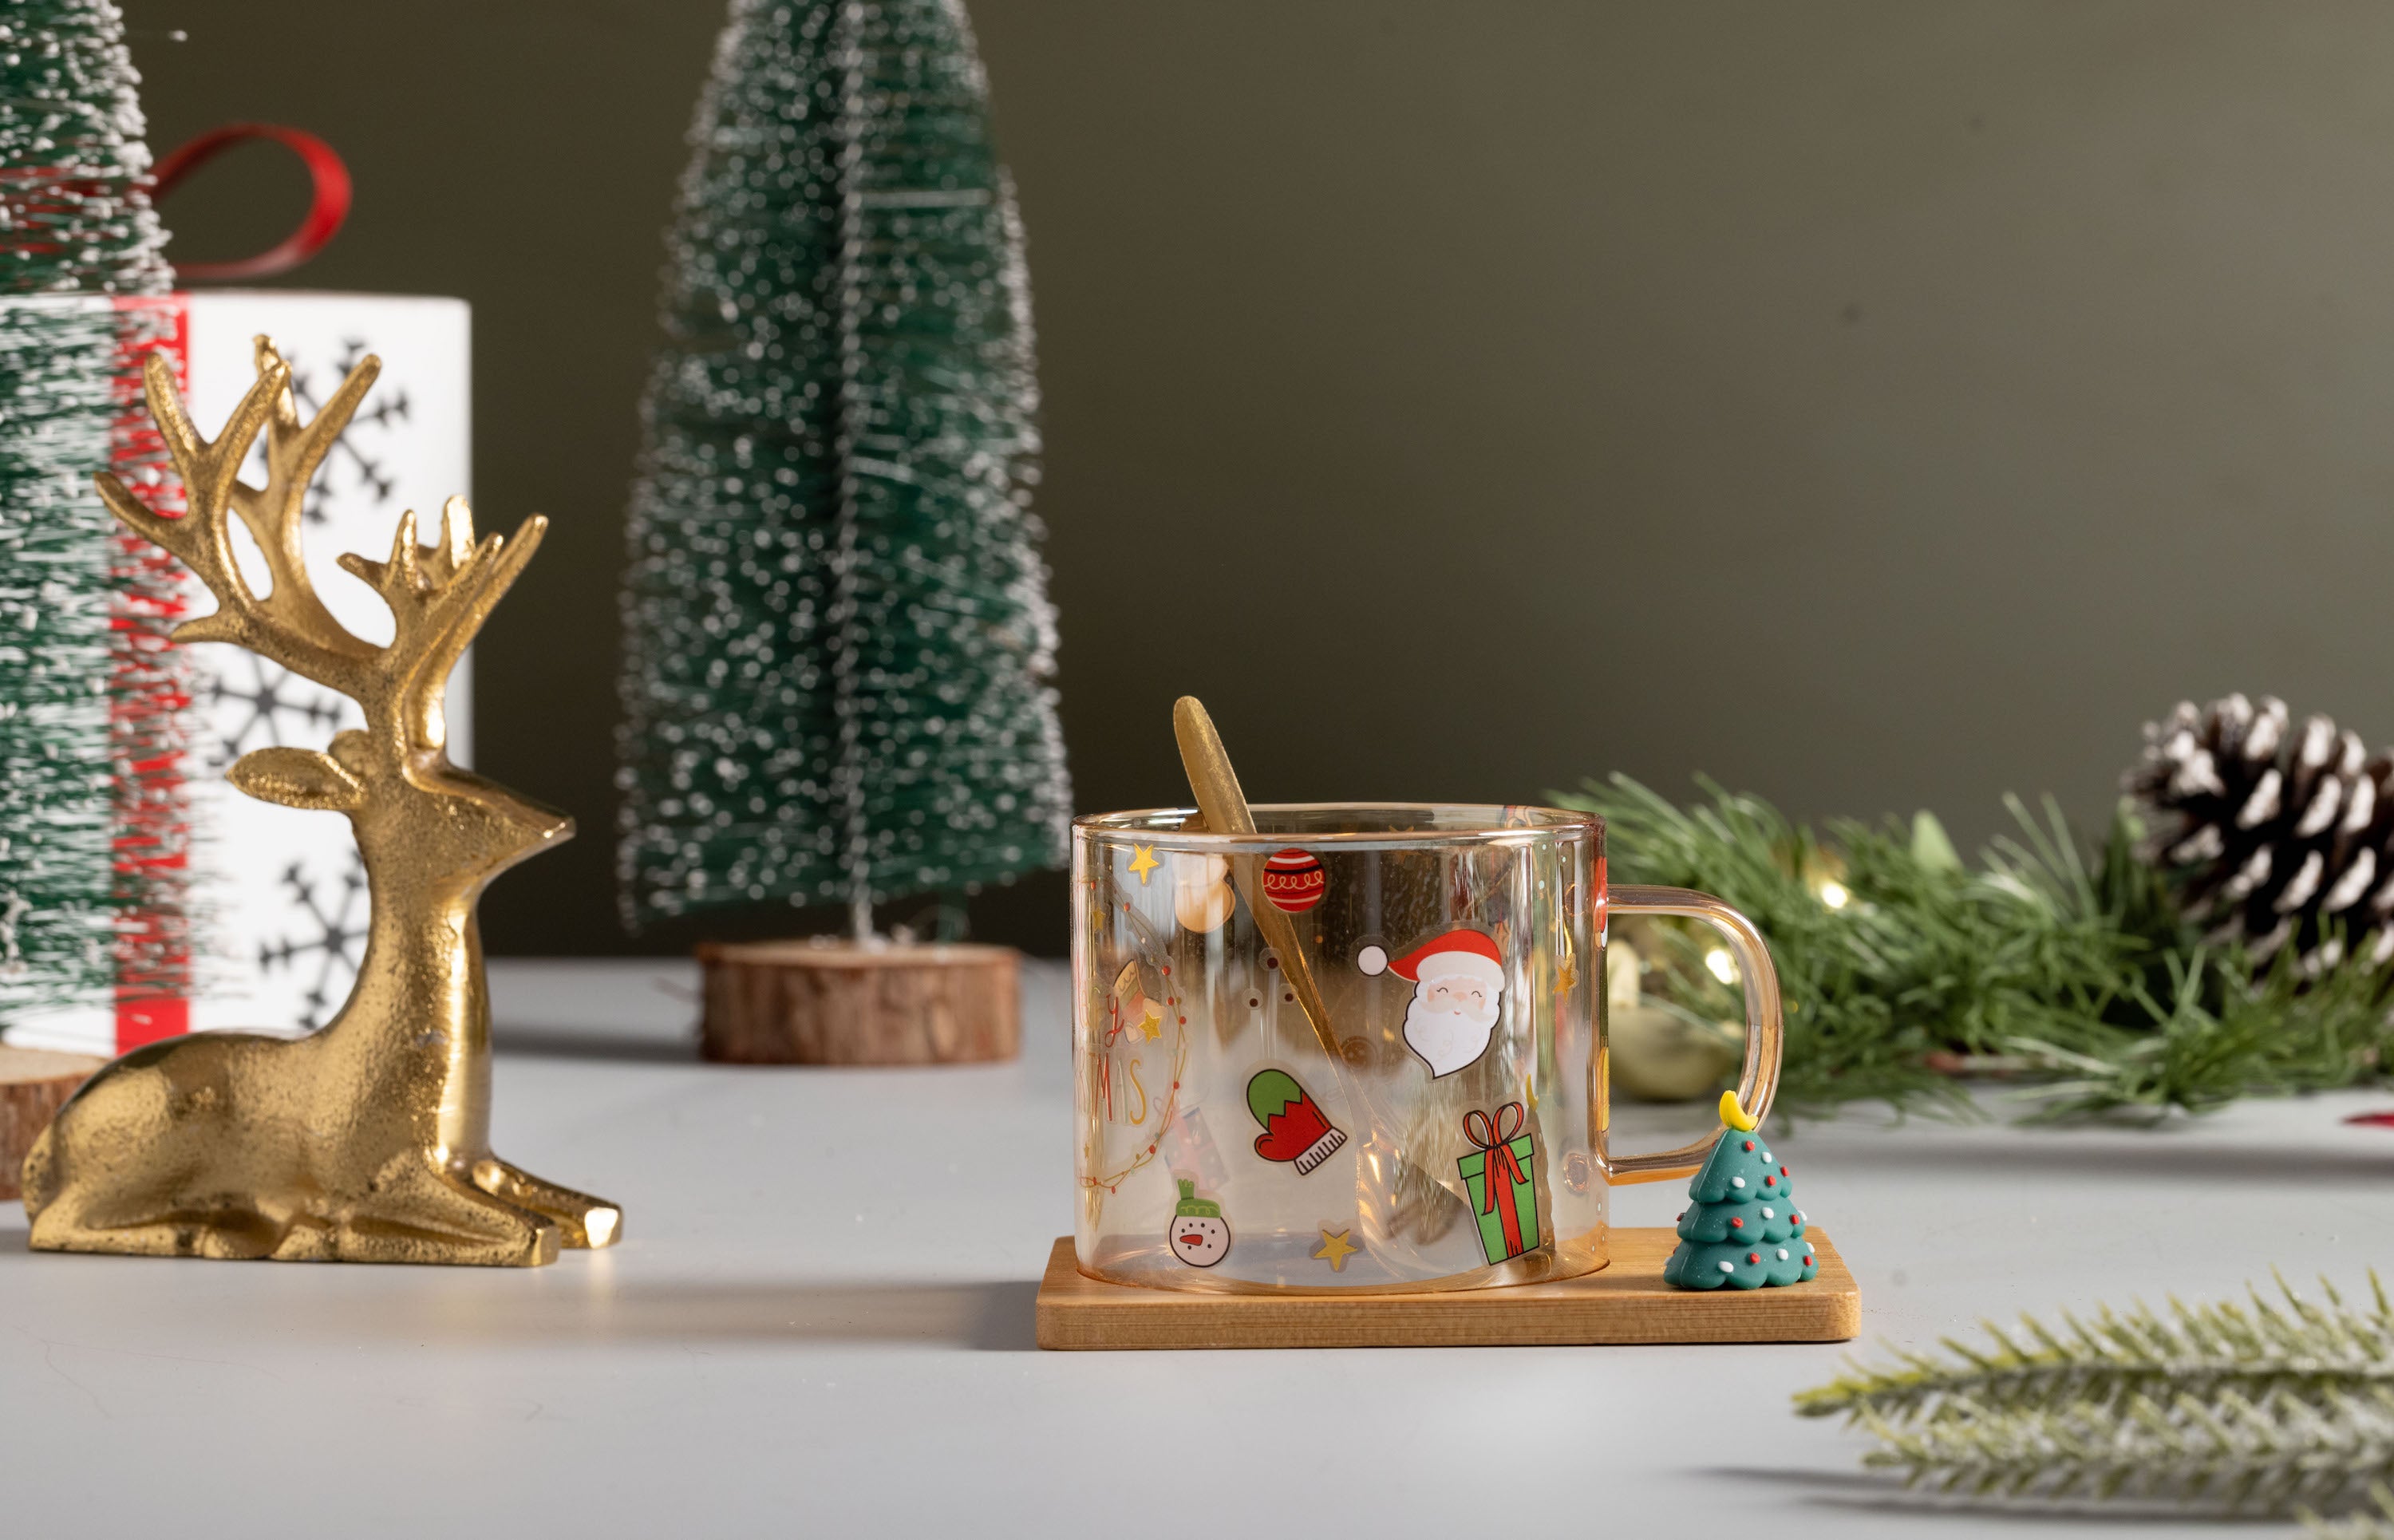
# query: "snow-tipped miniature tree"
837,642
90,829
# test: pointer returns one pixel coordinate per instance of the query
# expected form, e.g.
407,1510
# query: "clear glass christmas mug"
1448,1129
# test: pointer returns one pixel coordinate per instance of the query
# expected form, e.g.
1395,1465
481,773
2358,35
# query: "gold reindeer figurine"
368,1141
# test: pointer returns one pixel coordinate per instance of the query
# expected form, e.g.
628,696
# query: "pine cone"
2274,840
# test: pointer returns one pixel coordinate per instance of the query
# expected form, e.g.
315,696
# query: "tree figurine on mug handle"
368,1141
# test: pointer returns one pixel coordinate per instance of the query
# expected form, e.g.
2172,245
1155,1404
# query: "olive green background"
1875,406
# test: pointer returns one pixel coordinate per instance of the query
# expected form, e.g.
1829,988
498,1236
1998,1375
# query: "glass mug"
1443,1128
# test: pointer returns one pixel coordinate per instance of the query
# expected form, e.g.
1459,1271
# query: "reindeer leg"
238,1236
582,1220
436,1218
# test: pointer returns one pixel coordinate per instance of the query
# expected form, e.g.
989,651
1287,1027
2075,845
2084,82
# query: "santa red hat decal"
1458,991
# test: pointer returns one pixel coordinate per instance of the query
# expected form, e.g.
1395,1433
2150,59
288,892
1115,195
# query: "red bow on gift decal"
1494,1139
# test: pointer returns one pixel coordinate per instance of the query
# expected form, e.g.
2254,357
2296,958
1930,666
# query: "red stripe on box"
150,698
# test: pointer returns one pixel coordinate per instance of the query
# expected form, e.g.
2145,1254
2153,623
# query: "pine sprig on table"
2256,1350
2268,1403
2237,1454
2359,1526
2071,972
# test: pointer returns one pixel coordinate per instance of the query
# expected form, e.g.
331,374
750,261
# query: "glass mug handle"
1760,1082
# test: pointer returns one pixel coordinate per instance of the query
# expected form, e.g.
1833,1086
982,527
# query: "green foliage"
837,636
2359,1526
2265,1404
72,160
74,609
2071,975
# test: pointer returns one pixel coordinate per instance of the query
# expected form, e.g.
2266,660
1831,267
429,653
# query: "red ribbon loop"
1485,1136
326,210
1496,1141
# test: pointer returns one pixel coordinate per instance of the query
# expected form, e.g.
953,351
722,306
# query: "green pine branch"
2359,1526
2067,971
2268,1455
2254,1349
2264,1404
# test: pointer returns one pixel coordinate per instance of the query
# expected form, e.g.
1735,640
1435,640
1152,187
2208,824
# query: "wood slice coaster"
35,1083
1625,1302
809,1003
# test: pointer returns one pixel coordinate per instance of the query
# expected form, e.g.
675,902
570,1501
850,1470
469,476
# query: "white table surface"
819,1321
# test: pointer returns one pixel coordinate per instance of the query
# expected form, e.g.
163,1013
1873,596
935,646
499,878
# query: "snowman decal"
1458,982
1198,1235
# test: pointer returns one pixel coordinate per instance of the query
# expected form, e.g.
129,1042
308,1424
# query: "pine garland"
81,906
837,636
2275,1405
2071,975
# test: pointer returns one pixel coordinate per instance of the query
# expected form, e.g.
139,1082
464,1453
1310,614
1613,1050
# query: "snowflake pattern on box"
250,703
321,956
285,895
360,455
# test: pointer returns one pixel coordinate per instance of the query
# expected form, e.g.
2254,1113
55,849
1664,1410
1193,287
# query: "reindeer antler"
294,631
277,514
439,597
438,594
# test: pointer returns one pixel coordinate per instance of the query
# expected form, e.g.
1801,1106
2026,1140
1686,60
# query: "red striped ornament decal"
1293,880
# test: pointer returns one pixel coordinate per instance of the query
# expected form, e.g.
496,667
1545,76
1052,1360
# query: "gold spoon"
1225,808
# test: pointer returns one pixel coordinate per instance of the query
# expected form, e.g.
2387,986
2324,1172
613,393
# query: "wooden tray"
1625,1302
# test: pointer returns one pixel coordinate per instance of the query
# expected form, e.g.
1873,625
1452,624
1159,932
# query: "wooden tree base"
35,1083
838,1003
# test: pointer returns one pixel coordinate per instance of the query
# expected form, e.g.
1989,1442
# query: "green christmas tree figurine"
91,812
837,636
1740,1229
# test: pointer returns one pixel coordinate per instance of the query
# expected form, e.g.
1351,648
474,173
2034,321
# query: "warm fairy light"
1834,894
1724,967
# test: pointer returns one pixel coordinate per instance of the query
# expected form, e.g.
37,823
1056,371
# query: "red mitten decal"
1296,1131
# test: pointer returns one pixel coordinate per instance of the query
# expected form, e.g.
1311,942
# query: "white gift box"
278,894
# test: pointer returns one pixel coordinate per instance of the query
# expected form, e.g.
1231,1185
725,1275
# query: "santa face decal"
1458,995
1197,1234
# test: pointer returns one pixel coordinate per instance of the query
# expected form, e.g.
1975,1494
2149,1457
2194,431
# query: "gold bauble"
1658,1054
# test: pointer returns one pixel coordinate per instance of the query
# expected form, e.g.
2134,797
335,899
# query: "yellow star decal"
1142,862
1152,1026
1334,1249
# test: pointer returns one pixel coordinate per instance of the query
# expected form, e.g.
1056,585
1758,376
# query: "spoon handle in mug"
1225,807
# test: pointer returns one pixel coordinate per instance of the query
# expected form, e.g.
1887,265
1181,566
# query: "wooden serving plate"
1625,1302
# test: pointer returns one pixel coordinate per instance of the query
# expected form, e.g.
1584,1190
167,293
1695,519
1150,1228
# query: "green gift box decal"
1497,1175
